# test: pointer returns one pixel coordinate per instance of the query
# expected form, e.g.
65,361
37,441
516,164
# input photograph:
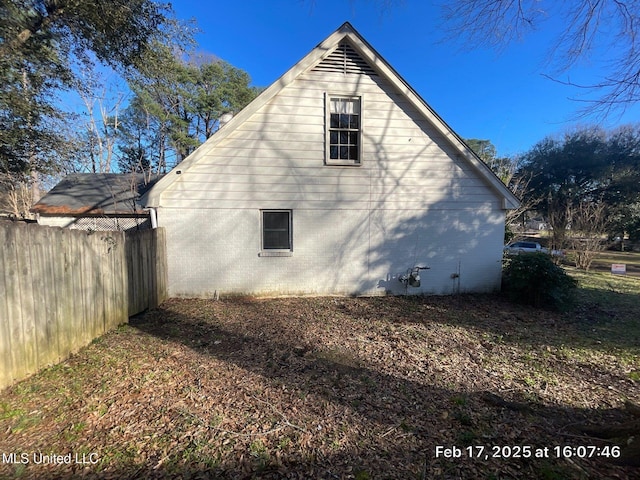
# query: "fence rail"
62,288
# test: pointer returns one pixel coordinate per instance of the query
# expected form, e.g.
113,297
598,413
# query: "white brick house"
337,179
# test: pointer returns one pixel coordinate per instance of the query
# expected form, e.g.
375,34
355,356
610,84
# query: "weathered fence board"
147,269
5,338
60,289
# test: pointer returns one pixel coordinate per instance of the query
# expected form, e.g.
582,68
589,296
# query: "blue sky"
481,93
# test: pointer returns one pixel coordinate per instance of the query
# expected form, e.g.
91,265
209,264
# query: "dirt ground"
465,387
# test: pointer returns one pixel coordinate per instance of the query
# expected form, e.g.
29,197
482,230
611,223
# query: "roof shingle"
96,194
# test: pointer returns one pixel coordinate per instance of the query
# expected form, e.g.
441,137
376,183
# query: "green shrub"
534,279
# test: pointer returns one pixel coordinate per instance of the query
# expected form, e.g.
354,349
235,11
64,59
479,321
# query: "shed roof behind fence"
96,194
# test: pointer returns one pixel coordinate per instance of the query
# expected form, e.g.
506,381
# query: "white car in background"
517,248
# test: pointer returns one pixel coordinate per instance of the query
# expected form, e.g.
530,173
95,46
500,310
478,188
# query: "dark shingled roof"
96,194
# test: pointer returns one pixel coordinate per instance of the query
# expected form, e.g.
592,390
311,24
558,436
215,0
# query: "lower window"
276,231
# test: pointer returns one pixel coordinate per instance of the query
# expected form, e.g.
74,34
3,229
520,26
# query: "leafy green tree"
563,172
29,74
187,97
485,149
503,167
117,32
623,152
220,88
41,44
159,93
585,165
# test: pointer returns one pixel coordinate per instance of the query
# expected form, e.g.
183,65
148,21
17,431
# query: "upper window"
344,128
276,230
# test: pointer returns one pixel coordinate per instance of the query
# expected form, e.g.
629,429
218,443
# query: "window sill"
342,164
275,253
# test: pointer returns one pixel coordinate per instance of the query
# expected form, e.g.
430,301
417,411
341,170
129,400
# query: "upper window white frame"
343,129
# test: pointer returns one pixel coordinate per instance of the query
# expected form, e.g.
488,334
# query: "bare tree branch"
605,32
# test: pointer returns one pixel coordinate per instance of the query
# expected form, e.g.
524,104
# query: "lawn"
337,388
603,262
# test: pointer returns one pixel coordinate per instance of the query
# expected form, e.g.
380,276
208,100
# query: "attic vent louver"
345,59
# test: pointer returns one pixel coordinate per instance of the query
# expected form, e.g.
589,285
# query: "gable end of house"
337,179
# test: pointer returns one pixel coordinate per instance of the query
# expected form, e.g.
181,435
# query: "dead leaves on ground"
322,388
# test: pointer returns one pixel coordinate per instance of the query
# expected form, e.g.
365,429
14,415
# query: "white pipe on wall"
154,218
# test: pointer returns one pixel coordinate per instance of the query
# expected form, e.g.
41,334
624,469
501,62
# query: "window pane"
344,153
343,105
353,153
276,240
344,121
277,220
335,120
344,137
353,138
333,152
354,121
333,137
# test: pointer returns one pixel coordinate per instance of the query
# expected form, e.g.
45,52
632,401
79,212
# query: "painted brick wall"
215,251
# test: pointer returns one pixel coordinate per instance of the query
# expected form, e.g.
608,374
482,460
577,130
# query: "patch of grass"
257,448
73,433
607,315
259,451
635,376
405,427
216,420
464,418
284,443
466,437
368,381
362,475
26,422
606,288
7,411
549,471
459,400
21,419
604,259
122,455
19,470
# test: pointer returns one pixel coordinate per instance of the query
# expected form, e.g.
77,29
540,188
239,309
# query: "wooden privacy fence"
60,289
